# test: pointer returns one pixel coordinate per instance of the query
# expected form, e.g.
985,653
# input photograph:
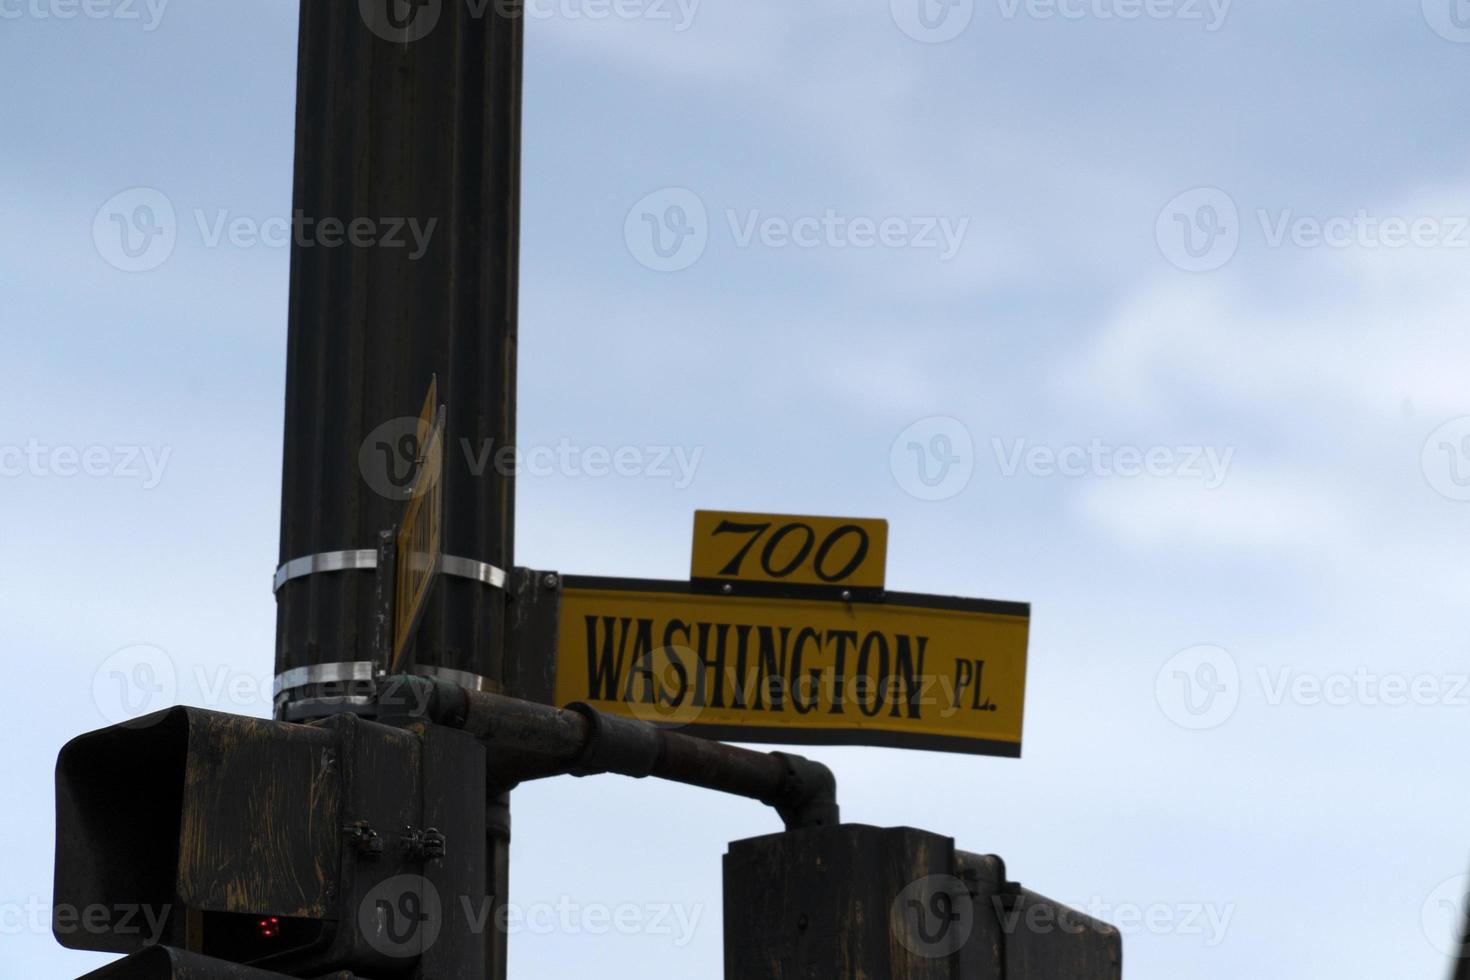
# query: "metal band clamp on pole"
367,560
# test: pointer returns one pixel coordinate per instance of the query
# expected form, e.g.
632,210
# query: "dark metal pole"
404,266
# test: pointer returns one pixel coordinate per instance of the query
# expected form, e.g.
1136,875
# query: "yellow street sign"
790,550
420,538
911,671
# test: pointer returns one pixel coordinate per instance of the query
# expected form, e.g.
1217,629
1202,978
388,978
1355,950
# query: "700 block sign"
786,550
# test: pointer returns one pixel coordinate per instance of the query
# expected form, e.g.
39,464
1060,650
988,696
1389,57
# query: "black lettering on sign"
778,669
970,675
780,560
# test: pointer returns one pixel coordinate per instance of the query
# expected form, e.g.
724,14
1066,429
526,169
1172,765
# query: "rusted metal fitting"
808,794
618,745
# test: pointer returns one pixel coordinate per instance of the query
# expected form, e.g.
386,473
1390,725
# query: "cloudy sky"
1170,294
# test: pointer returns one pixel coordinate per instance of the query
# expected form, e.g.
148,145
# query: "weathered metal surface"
258,822
164,963
423,134
1021,934
454,804
297,849
1045,939
533,612
816,904
858,902
190,809
117,799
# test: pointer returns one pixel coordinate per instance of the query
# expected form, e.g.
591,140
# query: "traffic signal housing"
301,849
897,904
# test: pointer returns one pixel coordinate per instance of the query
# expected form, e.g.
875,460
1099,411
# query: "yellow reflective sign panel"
822,551
420,542
913,671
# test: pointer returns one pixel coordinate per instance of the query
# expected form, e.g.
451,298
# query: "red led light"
269,928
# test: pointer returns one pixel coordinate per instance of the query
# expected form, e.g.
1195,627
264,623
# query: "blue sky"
1249,655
